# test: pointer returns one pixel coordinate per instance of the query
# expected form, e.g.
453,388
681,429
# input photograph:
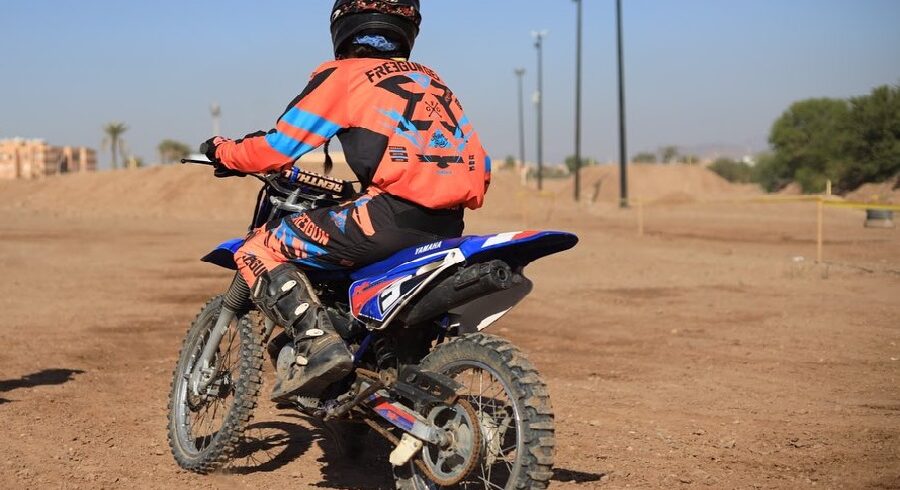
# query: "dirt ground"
711,352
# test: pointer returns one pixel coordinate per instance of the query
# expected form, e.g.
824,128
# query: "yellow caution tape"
780,199
862,205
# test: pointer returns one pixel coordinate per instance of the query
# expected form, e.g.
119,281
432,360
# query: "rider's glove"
221,171
209,146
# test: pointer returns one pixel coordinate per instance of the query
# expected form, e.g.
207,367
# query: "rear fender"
223,255
484,311
516,248
378,299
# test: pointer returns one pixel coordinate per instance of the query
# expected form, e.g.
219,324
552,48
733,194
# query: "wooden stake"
828,187
640,206
820,206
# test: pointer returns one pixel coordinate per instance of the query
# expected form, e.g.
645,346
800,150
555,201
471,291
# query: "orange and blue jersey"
402,129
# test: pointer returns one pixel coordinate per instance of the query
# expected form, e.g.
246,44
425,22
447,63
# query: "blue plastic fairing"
223,255
521,248
379,288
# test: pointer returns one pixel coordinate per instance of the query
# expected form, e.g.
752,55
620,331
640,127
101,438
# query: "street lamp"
520,72
539,100
623,152
216,112
578,105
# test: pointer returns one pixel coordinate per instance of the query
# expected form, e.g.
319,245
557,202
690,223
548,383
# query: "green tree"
113,140
668,153
171,151
872,146
732,171
689,159
644,157
809,141
509,162
769,172
585,162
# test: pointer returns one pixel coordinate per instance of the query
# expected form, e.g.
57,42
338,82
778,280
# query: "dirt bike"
460,407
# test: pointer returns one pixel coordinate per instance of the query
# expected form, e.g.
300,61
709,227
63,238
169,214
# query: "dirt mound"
174,190
185,191
651,183
792,189
885,192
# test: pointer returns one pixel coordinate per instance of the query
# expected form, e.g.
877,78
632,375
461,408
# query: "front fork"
204,370
237,299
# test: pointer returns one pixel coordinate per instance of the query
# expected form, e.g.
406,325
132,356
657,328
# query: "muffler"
467,284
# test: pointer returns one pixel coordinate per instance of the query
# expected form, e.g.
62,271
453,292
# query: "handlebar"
198,162
289,179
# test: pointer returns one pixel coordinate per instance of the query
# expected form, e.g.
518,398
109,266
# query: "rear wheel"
206,428
512,409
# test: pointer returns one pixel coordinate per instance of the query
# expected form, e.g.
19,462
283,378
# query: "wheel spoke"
496,420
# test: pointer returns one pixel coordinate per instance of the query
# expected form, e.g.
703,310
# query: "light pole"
539,99
578,105
520,72
216,112
623,152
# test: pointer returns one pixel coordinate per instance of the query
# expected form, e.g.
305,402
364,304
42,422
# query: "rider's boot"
318,356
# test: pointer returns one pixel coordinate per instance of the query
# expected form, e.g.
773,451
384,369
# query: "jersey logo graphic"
418,120
432,108
398,154
439,140
441,161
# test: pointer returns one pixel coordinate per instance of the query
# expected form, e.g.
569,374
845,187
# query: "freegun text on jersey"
389,67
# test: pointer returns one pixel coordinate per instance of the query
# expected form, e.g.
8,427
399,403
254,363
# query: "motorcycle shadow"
353,457
268,446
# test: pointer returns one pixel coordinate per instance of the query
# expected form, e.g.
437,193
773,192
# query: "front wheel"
205,428
512,408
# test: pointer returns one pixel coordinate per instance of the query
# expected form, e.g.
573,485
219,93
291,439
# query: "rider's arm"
312,118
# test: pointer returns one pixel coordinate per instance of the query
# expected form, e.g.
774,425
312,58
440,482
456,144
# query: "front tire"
513,407
205,431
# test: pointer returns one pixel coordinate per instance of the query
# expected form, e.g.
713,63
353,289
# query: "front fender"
223,255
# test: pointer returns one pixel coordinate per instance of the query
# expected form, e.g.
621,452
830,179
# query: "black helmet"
396,19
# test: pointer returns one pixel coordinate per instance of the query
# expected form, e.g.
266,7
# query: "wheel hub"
451,463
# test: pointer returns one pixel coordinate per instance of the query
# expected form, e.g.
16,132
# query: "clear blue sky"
698,71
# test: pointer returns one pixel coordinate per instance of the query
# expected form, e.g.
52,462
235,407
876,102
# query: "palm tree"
113,140
171,151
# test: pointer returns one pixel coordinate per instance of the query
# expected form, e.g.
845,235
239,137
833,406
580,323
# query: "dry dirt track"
701,355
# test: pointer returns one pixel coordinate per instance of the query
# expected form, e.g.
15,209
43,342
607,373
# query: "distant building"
34,158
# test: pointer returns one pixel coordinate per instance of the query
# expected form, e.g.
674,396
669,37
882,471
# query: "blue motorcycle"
461,408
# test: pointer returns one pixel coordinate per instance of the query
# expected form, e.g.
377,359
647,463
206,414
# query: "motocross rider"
405,136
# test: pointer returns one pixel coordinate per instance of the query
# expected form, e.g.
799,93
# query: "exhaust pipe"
467,284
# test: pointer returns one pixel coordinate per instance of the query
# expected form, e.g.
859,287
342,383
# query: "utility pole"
623,151
539,100
578,106
520,72
216,112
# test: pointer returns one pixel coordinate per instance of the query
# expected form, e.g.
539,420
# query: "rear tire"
239,364
515,397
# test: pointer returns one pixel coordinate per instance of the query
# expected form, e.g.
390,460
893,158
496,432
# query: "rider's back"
402,129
